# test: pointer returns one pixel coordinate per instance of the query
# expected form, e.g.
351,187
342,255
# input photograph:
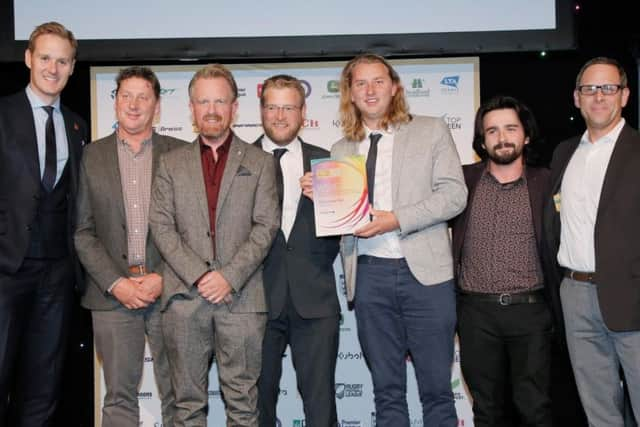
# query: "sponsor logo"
348,423
348,355
163,92
247,125
333,90
305,85
456,389
343,283
278,422
343,328
283,392
454,122
310,124
348,390
148,359
450,84
145,395
166,129
299,423
417,89
242,92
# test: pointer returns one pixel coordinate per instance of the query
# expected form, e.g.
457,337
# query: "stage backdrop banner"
447,88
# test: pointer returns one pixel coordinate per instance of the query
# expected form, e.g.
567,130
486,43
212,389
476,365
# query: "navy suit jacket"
304,262
20,177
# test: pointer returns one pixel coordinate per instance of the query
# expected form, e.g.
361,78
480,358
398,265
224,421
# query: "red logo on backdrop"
259,89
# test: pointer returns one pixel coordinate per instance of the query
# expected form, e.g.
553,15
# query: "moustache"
504,145
214,116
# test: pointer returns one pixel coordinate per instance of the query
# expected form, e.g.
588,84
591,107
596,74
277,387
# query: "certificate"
340,197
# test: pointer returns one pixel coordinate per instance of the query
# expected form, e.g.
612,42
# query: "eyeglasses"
273,108
607,89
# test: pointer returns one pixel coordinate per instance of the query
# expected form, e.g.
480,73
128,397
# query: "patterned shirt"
135,177
499,253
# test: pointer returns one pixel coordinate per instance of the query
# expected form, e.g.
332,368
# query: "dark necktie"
277,153
371,163
50,161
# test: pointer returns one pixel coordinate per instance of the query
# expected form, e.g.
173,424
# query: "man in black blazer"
591,221
298,272
40,148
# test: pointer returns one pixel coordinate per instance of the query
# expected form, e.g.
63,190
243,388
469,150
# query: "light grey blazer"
101,231
247,219
428,189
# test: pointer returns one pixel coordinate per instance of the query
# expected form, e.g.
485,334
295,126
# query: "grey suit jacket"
247,219
101,232
428,189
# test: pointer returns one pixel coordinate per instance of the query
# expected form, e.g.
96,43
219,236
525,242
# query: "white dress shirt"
580,197
292,170
40,117
386,245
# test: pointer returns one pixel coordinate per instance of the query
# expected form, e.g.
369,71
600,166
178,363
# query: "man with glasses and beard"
504,321
300,287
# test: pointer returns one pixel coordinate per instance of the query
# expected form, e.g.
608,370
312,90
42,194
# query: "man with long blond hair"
405,305
40,147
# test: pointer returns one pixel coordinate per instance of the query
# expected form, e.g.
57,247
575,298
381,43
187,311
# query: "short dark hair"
145,73
604,61
502,102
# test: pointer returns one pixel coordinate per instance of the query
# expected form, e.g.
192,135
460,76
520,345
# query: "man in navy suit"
298,272
40,147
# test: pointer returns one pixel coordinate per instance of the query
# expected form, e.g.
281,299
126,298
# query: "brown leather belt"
137,270
530,297
580,276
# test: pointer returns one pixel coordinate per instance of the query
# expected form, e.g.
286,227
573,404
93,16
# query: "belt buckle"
139,268
571,273
504,299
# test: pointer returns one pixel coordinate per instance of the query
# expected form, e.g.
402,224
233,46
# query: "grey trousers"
194,330
120,338
597,353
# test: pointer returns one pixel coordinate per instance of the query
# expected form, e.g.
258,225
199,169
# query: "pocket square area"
242,171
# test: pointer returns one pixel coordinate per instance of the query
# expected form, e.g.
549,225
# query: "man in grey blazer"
405,303
123,266
214,214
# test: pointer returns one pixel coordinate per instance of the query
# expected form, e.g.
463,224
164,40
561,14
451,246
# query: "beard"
212,130
505,158
278,136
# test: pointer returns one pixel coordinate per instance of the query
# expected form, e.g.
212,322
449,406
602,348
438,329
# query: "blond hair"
56,29
351,117
213,71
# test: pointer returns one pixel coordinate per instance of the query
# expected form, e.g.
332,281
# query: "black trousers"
314,350
35,307
505,356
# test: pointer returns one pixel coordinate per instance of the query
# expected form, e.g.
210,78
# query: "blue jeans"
397,315
597,354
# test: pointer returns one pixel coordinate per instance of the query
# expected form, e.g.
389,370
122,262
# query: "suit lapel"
616,169
236,154
74,144
400,142
112,174
193,164
27,141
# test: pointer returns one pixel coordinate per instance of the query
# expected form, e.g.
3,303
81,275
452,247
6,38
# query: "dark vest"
48,230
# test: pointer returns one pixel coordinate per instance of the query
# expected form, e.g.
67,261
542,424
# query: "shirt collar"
143,146
221,149
384,132
36,102
610,137
293,147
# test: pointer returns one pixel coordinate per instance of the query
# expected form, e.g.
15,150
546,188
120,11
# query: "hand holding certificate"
340,198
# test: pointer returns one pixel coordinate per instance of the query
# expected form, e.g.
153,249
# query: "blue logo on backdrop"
451,81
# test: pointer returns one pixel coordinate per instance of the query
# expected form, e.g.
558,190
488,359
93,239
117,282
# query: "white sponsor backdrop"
448,88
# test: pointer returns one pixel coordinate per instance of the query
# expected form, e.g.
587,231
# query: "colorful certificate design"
340,198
